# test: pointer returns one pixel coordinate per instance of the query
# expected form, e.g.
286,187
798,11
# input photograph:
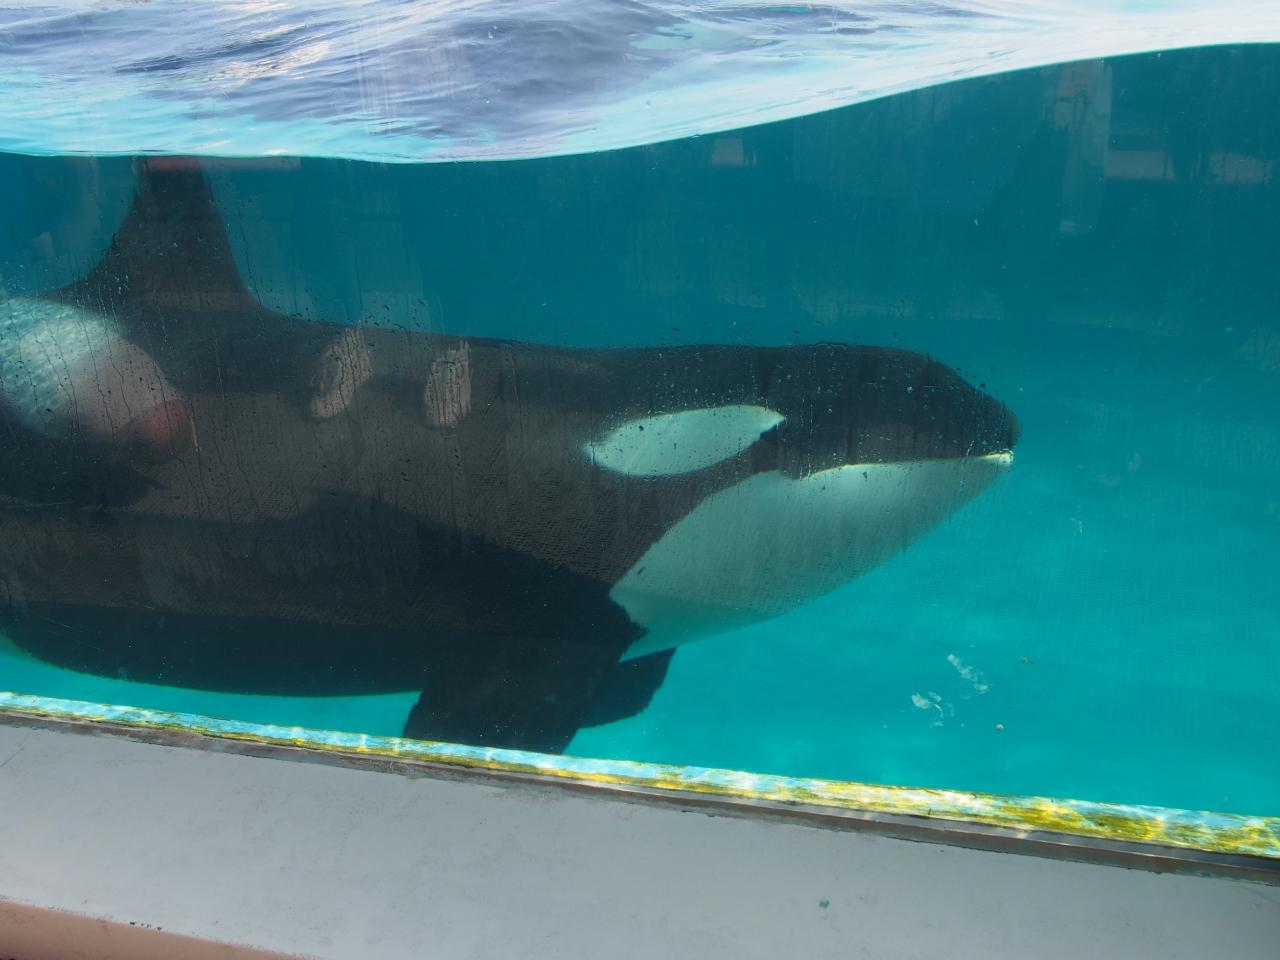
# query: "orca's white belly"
772,542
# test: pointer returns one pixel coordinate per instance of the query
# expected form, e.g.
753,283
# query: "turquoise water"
1094,243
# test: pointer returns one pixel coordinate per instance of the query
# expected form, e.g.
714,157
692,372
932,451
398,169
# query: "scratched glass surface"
927,440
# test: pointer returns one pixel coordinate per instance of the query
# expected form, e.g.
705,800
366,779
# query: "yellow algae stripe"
1197,830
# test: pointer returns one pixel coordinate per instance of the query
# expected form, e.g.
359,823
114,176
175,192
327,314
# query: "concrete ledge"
304,859
1223,844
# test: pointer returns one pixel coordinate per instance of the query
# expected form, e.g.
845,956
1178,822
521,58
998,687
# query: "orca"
522,532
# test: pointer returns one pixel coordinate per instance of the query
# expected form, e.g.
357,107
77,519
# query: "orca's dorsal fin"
171,253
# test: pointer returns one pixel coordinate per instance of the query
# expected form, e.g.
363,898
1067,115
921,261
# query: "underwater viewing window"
917,457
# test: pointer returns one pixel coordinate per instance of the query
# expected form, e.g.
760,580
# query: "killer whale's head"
856,452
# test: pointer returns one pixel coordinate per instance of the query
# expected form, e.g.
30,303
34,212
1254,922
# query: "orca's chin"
773,542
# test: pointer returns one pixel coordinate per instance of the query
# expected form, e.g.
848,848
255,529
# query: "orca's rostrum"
215,495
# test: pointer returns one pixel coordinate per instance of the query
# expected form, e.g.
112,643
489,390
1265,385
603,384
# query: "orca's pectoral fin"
627,688
518,694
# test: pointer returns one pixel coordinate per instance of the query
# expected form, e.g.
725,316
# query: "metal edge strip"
1156,837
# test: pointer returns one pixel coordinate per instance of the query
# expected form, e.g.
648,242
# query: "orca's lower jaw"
775,541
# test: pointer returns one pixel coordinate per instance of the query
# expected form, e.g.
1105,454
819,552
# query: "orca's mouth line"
1002,458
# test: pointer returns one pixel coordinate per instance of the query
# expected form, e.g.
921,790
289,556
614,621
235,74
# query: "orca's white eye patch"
681,442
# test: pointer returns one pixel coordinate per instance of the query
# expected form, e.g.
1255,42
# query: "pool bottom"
1152,837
